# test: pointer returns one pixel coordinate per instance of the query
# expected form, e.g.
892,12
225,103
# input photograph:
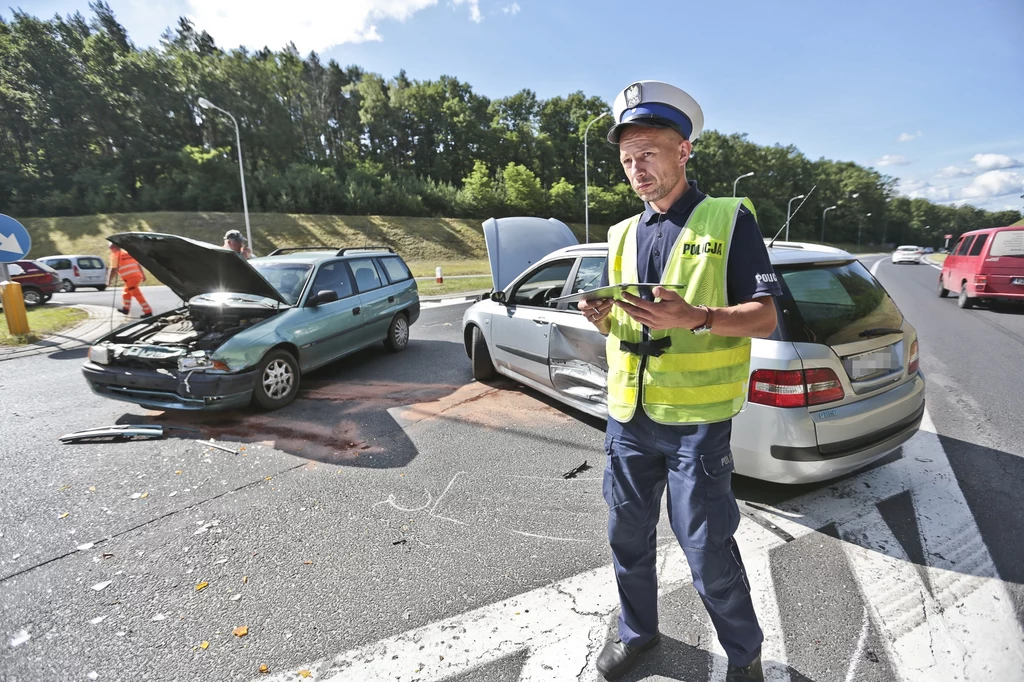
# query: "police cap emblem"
634,94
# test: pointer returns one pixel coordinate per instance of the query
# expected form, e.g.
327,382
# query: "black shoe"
617,657
123,311
145,315
751,672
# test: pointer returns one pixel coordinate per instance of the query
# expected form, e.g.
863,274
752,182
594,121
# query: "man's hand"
671,312
597,312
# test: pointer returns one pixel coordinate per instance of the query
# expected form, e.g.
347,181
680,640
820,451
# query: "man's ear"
685,152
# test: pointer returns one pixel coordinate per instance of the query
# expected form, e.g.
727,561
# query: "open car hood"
191,267
514,244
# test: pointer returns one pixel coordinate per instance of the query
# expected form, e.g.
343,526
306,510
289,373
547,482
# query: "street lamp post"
207,104
745,175
789,206
860,227
823,213
586,183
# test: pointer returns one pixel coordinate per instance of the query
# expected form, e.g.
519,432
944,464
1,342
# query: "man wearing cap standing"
678,363
233,240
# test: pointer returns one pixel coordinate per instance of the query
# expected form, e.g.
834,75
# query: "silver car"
836,387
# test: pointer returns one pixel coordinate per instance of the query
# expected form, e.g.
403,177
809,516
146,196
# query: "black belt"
654,347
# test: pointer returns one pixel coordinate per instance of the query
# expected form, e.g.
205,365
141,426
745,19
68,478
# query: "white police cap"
656,104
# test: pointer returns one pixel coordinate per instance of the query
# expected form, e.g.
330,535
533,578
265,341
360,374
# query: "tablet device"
615,292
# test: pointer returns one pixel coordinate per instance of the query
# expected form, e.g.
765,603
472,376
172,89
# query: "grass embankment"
42,321
455,244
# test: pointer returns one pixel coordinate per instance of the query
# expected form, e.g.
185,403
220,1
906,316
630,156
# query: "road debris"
573,472
86,547
400,542
225,448
235,597
20,638
97,620
264,668
99,587
240,631
204,645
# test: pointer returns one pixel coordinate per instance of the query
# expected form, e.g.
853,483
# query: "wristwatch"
706,327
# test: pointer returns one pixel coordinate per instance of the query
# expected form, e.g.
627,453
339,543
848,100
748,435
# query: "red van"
985,264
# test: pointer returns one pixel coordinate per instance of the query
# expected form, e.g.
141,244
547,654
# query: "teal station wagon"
250,329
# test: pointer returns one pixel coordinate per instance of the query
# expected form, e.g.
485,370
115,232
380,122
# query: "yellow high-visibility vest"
699,378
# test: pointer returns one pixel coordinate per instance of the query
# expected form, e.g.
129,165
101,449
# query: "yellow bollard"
14,308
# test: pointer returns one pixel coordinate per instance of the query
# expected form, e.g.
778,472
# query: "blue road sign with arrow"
14,240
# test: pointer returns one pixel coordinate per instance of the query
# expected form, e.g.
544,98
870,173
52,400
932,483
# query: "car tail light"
915,358
795,388
74,269
778,388
980,281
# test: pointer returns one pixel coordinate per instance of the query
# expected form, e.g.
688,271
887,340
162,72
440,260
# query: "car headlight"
200,361
99,354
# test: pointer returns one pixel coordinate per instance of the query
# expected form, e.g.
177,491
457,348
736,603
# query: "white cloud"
989,162
921,189
511,9
310,24
892,160
907,137
474,9
954,172
995,183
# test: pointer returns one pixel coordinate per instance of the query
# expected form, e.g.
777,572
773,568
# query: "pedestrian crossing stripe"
951,618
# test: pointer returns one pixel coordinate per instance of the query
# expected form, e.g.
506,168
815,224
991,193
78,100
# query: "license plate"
1017,280
867,364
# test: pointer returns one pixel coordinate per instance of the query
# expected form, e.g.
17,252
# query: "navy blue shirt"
749,275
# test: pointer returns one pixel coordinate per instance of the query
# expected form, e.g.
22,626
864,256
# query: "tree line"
90,123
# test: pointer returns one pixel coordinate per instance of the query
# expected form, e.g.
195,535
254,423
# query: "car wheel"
67,286
32,296
943,292
480,357
277,380
398,334
47,297
101,288
964,301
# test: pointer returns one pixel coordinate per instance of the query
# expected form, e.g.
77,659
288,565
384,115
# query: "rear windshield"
833,303
908,248
1007,243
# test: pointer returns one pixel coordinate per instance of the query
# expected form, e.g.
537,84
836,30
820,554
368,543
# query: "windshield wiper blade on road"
879,331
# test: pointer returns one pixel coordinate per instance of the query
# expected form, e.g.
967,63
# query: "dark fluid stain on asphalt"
330,422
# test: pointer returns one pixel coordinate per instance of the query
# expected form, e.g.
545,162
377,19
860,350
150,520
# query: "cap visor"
616,130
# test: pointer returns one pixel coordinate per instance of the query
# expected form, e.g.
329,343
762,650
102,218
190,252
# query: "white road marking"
874,268
861,641
967,630
443,303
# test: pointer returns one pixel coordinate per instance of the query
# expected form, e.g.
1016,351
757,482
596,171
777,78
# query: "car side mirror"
498,296
321,297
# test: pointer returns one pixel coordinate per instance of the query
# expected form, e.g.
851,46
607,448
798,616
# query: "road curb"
96,325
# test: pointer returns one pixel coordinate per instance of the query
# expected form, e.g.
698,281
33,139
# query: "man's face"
235,244
654,160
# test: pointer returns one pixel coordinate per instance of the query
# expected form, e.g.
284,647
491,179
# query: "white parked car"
78,271
836,387
907,254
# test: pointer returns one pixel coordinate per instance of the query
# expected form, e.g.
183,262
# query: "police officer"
678,362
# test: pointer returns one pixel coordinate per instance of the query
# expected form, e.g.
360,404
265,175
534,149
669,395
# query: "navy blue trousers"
704,516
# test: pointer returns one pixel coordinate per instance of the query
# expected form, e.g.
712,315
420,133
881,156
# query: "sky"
927,91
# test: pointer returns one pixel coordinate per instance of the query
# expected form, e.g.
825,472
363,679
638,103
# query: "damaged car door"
578,367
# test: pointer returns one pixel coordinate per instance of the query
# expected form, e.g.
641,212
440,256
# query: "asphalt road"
400,521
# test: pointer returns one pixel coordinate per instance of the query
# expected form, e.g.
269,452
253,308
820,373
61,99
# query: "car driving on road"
249,330
836,387
907,254
985,265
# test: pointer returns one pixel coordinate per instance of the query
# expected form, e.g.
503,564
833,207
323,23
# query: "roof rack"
294,249
342,252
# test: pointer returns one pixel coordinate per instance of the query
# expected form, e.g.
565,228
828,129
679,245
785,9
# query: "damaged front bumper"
163,389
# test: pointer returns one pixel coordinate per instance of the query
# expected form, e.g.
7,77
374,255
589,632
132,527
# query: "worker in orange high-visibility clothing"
123,265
